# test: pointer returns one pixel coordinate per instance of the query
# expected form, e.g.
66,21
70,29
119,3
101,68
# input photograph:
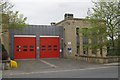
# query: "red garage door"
24,47
49,47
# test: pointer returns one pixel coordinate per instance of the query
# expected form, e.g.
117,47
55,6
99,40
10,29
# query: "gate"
49,47
24,47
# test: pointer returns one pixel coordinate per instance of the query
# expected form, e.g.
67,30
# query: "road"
96,72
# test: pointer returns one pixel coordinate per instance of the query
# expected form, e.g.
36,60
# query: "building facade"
35,42
41,41
4,33
73,40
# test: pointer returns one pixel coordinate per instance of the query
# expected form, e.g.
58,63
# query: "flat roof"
24,36
49,36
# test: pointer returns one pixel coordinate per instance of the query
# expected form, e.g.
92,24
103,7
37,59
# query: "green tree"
10,19
108,11
96,35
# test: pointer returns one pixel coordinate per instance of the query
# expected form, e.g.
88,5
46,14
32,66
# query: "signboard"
69,48
69,43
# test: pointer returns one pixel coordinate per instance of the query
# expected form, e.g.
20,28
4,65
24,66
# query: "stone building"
4,32
73,41
70,41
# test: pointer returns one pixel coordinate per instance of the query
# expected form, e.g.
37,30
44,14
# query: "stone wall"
5,40
94,59
5,32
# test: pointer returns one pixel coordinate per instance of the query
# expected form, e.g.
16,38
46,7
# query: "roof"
83,19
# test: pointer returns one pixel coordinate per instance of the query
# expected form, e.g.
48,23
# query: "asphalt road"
94,72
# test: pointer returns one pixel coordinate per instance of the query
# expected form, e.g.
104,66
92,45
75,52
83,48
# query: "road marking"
59,71
117,64
54,66
0,74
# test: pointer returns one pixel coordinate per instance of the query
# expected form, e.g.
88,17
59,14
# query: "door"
24,47
49,47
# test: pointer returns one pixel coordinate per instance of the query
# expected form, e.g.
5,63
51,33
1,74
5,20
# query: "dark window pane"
84,52
31,50
55,47
24,46
49,48
31,46
18,46
43,48
18,50
25,50
85,40
94,40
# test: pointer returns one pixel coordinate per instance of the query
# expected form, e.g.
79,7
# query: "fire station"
58,40
36,41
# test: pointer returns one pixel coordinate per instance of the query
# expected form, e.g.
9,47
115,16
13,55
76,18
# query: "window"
94,51
78,49
24,46
94,40
77,31
24,50
31,46
18,50
84,52
18,46
31,50
55,47
85,40
49,48
43,48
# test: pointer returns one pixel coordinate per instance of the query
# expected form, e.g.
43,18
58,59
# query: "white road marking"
59,71
0,74
54,66
112,64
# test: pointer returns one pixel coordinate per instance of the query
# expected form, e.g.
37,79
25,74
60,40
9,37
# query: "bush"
3,48
5,55
115,52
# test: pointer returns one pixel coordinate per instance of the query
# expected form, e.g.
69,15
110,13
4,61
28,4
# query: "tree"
110,12
95,35
10,19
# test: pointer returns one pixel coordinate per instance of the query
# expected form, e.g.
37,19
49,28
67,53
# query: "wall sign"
69,48
69,43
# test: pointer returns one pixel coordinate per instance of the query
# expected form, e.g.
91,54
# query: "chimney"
52,23
68,16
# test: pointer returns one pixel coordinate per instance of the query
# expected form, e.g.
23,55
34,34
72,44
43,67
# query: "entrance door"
49,47
24,47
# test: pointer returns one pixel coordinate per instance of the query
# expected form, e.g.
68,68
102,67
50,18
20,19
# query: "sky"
43,12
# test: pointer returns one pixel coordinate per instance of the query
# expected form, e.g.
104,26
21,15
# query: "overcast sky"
46,11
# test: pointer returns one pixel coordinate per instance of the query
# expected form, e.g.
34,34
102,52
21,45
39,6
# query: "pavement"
49,65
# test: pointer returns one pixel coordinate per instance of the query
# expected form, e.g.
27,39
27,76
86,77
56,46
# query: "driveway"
34,66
